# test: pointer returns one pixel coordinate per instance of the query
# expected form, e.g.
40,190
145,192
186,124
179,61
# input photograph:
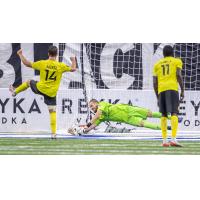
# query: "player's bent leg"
19,89
52,112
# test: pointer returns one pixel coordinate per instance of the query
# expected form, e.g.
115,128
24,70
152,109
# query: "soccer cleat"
53,136
175,144
165,144
12,90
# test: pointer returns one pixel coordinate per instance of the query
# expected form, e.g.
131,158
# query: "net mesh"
121,72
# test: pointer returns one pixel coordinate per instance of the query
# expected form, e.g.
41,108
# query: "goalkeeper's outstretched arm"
87,129
92,124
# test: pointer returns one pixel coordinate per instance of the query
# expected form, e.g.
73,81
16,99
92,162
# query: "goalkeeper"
124,113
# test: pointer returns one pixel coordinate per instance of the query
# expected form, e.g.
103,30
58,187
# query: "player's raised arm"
26,62
180,81
74,64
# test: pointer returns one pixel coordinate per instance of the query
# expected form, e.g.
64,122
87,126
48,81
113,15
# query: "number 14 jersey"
165,70
50,75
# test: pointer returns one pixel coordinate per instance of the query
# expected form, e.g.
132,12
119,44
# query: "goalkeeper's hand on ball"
76,130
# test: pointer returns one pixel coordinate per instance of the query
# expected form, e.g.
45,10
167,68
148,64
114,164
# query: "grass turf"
19,146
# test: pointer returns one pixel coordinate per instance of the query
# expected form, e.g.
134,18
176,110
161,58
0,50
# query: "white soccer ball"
76,130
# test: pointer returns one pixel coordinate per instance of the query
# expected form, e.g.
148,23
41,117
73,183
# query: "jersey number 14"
50,76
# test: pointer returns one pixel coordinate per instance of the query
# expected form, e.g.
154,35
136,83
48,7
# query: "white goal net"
122,73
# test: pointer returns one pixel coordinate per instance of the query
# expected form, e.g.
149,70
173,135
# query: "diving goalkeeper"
123,113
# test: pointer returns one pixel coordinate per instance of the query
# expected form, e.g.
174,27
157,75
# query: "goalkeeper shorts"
50,101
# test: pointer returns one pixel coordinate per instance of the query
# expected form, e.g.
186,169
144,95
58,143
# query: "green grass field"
20,146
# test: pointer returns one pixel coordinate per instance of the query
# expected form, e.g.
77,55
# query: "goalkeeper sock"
174,124
21,88
156,114
151,125
164,127
159,115
53,122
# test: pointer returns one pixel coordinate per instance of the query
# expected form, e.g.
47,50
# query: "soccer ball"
76,130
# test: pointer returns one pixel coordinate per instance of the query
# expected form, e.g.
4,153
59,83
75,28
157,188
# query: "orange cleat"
175,144
166,144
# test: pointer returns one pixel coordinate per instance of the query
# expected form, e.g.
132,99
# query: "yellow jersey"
165,70
50,75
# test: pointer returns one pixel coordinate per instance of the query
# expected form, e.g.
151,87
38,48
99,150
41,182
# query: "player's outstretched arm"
86,130
74,64
26,62
92,124
155,85
180,81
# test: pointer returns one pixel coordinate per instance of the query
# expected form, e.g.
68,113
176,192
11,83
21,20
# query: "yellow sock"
164,127
21,88
53,122
174,124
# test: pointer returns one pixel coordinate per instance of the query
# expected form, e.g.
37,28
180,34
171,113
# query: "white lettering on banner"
107,71
7,73
17,107
24,113
13,120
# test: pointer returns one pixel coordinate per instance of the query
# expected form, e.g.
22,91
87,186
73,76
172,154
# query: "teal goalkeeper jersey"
119,112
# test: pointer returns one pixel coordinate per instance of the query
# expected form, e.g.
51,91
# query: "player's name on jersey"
51,67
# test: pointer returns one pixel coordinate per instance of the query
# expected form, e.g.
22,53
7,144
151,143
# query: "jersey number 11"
165,69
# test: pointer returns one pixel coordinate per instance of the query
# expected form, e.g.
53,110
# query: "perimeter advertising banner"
28,113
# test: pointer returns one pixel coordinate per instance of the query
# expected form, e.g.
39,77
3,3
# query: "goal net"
122,73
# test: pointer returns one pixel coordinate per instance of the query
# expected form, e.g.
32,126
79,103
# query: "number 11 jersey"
165,70
50,75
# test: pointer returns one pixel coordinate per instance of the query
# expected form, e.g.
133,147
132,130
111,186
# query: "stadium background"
118,73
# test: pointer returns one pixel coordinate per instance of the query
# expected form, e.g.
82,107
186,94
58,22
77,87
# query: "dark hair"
53,51
93,101
168,51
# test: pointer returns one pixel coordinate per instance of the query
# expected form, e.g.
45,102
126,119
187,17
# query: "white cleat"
53,136
12,90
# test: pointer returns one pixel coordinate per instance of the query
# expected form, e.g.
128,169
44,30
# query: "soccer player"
50,76
166,76
124,113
